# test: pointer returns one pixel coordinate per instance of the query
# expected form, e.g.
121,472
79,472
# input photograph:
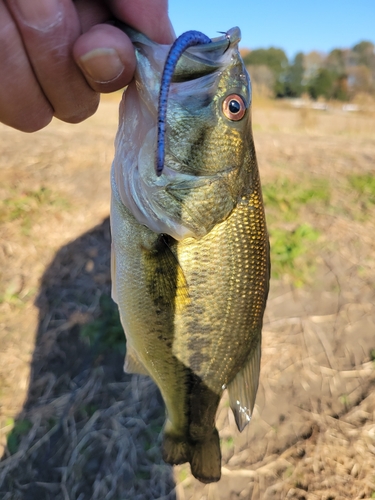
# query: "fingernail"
102,65
39,14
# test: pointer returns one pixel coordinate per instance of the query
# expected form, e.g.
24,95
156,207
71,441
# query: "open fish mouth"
196,61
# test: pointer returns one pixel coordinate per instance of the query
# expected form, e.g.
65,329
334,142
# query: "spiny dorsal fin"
243,388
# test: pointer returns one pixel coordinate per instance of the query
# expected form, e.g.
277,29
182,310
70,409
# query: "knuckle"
78,114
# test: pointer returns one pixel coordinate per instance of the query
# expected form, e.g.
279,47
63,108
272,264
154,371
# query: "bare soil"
74,426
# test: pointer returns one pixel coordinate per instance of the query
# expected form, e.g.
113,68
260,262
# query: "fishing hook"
227,36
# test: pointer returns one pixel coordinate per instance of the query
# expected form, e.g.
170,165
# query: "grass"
21,428
105,425
27,205
105,332
286,197
14,298
364,186
291,248
287,249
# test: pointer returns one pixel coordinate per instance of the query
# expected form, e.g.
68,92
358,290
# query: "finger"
22,102
49,29
106,57
147,16
92,12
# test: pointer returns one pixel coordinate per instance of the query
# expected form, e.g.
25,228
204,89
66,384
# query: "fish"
190,250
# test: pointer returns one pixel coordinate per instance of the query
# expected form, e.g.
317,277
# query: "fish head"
208,137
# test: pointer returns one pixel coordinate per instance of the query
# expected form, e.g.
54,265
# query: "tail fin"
205,462
204,456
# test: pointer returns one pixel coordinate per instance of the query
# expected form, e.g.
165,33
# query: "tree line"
341,74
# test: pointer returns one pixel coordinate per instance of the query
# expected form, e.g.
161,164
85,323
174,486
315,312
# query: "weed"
364,185
286,247
88,410
288,472
105,331
20,428
344,400
183,474
26,205
15,298
287,197
228,442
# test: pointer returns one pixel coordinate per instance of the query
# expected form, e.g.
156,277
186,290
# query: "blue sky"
291,25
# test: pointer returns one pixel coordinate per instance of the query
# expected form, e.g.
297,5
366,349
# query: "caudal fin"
204,456
206,459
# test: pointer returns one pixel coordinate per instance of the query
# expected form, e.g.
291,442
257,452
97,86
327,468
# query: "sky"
288,24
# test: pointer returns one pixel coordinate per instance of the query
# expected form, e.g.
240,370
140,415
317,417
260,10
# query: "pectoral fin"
166,282
243,388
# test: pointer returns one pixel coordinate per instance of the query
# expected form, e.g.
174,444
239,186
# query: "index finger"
147,16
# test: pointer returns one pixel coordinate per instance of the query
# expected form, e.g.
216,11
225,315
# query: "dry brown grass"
78,428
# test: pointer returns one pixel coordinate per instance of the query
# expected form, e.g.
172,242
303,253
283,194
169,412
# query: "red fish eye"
234,107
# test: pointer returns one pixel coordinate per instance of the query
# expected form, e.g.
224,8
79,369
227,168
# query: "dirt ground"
73,426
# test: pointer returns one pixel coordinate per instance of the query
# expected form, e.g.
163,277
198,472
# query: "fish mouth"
204,59
197,61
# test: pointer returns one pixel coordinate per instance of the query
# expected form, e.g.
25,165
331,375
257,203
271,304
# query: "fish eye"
234,107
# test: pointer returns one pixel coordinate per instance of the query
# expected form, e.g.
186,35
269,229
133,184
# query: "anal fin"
132,363
243,388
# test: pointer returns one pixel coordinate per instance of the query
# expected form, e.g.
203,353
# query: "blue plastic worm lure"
183,42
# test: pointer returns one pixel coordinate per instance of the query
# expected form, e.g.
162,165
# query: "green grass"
286,197
292,250
364,186
287,248
227,442
14,298
27,205
106,331
20,429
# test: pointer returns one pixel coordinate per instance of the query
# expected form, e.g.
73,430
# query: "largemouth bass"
190,252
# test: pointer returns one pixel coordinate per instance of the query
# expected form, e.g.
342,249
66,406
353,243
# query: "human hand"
57,55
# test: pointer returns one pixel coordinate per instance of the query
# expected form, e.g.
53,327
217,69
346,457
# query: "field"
73,426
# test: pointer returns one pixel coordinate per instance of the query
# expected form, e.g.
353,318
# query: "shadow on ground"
87,430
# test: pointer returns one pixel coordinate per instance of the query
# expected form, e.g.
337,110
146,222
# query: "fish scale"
190,253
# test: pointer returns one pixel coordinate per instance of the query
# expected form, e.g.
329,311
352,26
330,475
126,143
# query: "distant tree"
273,58
262,79
312,62
322,84
335,62
365,52
294,77
341,88
361,80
